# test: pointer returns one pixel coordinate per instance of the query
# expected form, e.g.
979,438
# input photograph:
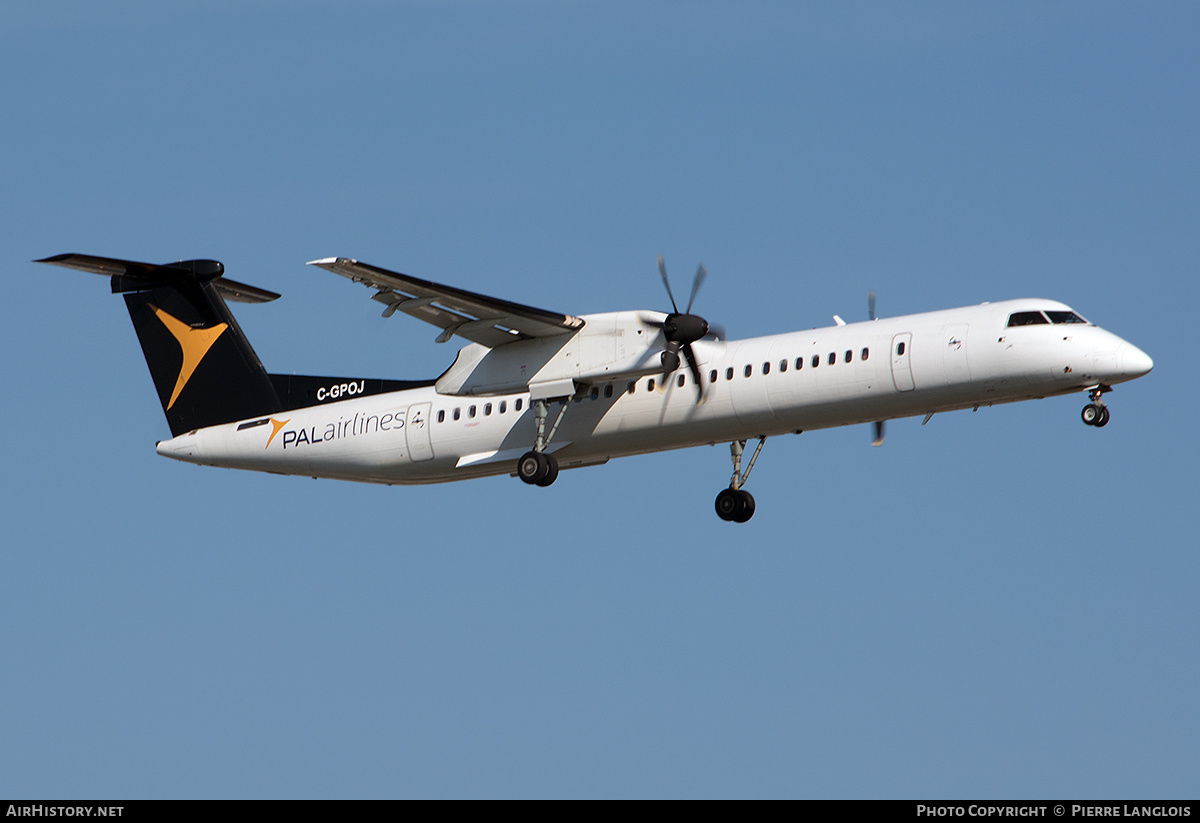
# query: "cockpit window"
1064,317
1027,318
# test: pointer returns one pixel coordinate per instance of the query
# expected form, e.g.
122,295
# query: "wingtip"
324,261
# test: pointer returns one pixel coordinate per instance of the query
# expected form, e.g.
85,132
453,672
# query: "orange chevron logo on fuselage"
195,343
276,425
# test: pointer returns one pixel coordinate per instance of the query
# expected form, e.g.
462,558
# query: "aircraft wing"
481,319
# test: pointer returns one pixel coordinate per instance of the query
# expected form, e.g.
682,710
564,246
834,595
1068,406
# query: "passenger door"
419,446
901,365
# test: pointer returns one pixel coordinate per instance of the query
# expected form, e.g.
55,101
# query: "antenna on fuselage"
880,432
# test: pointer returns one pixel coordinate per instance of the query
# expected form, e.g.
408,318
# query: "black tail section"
203,367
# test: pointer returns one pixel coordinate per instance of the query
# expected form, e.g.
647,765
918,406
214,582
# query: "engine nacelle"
611,346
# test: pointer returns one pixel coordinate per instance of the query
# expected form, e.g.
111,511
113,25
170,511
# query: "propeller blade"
662,269
701,273
879,433
871,304
683,329
690,356
670,360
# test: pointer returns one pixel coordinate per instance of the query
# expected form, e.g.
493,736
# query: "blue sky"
999,604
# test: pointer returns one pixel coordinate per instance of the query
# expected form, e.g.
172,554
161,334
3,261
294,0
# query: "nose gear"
1096,413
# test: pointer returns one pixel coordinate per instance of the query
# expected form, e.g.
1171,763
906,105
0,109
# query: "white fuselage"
834,376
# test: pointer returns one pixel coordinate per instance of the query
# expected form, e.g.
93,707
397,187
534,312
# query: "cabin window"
595,392
471,411
1027,318
832,357
680,381
849,355
900,348
749,370
517,405
503,406
457,413
729,373
766,368
650,384
866,353
608,390
712,376
816,360
441,415
632,387
799,363
1064,317
783,365
487,409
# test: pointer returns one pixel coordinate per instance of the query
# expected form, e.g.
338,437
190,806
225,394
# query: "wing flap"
488,321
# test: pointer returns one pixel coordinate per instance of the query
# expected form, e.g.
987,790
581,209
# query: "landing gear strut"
1096,413
735,503
536,467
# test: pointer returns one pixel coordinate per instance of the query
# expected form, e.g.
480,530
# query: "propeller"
682,329
880,432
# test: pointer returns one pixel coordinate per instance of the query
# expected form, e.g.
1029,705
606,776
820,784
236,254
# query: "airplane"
534,391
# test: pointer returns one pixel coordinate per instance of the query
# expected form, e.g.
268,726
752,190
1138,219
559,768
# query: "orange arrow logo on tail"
194,342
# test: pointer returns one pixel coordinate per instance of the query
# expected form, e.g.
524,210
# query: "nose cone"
1134,361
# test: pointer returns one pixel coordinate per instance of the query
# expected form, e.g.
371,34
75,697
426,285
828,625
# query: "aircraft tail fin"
203,367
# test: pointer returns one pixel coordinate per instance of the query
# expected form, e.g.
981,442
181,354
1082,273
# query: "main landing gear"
735,503
537,468
1096,413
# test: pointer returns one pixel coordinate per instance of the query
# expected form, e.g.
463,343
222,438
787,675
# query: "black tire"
532,467
551,470
747,509
728,504
1102,420
1090,414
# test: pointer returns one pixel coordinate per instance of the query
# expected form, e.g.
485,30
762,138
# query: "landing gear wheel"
1102,420
551,470
747,509
533,467
728,504
1092,413
734,505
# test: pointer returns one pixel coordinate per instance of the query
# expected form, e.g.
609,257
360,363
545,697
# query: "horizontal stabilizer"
132,276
